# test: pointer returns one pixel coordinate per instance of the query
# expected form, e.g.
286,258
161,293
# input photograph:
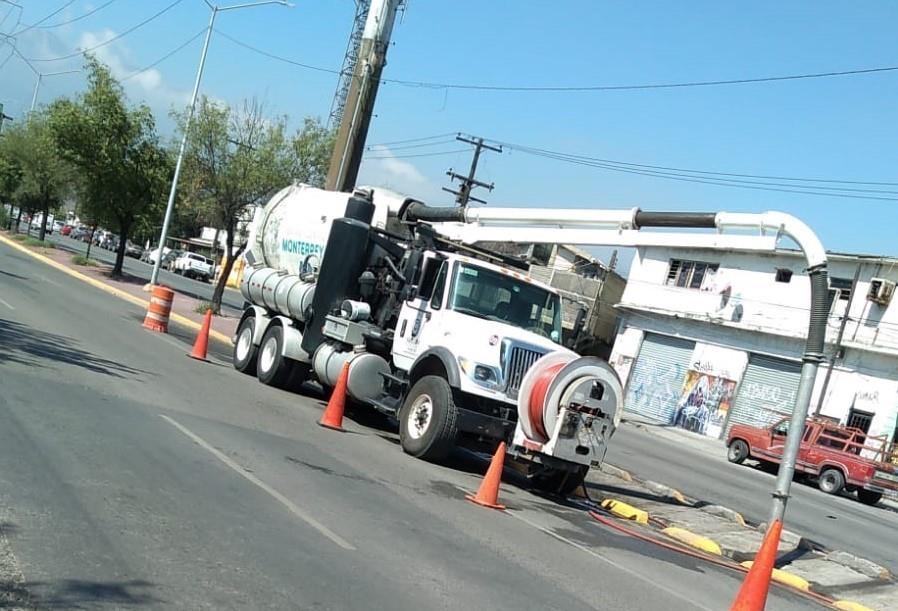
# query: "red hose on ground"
538,399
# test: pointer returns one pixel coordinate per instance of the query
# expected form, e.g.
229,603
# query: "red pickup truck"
839,457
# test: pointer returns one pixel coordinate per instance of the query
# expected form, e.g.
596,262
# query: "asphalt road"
835,522
232,301
133,476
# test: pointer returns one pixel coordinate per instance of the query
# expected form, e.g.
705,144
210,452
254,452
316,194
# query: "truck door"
417,327
778,439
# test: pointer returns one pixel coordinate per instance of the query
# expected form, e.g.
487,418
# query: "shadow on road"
27,346
75,594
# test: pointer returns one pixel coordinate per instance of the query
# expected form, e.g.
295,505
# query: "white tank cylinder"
283,293
365,380
355,310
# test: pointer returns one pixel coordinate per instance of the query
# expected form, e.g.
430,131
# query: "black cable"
434,137
37,23
166,56
415,155
410,146
79,18
113,39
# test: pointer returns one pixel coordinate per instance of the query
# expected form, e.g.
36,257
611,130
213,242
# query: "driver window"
428,278
782,428
437,301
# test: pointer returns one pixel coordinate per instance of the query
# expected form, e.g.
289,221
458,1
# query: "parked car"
133,250
150,256
838,457
58,225
169,258
66,230
192,265
81,233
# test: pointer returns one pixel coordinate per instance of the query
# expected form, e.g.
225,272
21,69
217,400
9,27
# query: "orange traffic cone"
488,493
752,595
202,338
333,413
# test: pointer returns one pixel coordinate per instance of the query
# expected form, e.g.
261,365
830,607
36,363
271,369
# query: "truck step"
385,404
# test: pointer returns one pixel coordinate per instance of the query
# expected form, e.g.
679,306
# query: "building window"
783,274
859,420
843,286
689,274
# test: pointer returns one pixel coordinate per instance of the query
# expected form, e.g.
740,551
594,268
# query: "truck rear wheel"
559,481
272,368
831,481
868,497
245,352
737,452
428,419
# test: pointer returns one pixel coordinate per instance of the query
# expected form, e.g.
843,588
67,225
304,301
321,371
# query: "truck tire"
272,368
831,481
559,481
245,352
428,419
737,451
868,497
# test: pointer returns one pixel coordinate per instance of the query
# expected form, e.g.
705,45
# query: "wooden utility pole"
463,195
356,116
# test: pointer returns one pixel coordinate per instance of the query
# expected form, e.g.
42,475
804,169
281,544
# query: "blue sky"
836,128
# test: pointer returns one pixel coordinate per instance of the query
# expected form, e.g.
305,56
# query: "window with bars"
859,420
690,274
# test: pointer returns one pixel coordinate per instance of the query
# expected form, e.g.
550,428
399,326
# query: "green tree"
235,159
312,146
116,150
38,175
10,177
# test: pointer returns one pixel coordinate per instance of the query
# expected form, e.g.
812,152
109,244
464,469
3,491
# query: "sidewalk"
130,288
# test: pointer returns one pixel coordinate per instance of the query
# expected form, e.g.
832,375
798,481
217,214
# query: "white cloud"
383,169
148,85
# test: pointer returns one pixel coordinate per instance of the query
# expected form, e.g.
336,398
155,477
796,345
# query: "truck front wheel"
272,368
737,452
428,419
831,481
559,481
868,497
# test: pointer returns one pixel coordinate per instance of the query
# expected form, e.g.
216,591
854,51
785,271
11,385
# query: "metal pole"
174,183
37,86
838,345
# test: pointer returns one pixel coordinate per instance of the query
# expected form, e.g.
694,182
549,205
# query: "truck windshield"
488,294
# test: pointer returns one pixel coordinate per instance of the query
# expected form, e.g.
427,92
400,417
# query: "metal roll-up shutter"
766,392
656,380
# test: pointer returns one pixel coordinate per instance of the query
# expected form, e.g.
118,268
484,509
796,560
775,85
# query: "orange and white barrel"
562,379
159,310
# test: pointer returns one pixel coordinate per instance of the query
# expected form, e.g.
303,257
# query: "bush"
202,306
21,237
82,260
4,217
29,241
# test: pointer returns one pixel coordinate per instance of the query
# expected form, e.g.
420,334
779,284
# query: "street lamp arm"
251,4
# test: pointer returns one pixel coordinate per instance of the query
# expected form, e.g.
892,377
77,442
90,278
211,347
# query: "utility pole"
838,346
463,195
353,130
3,117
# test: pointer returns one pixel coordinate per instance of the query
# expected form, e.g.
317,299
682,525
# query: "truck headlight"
482,375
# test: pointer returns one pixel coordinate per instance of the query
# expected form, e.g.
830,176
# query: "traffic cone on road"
752,595
488,493
333,413
202,338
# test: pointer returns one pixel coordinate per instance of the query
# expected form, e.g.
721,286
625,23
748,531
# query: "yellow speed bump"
849,605
690,538
787,578
623,510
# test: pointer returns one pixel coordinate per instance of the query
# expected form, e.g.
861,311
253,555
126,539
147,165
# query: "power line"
166,56
113,39
416,155
578,88
37,23
79,18
434,137
412,146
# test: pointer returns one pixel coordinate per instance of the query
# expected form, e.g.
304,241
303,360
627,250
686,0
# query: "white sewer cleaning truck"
458,344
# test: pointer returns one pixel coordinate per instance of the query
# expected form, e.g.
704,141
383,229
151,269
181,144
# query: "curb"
725,512
849,605
693,540
628,512
785,577
616,472
111,290
667,491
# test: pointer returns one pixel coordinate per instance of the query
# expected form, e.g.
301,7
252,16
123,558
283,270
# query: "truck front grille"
519,360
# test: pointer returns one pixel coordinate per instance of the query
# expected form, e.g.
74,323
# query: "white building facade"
709,339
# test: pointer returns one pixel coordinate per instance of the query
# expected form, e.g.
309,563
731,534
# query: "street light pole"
183,147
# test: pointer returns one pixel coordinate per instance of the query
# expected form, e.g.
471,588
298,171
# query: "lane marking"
53,282
6,303
595,554
299,513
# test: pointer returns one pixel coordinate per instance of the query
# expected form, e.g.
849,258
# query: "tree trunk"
90,242
225,270
18,220
45,213
10,216
123,228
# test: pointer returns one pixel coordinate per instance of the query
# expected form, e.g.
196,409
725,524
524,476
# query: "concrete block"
667,491
743,544
826,574
880,598
791,538
724,512
861,565
616,472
